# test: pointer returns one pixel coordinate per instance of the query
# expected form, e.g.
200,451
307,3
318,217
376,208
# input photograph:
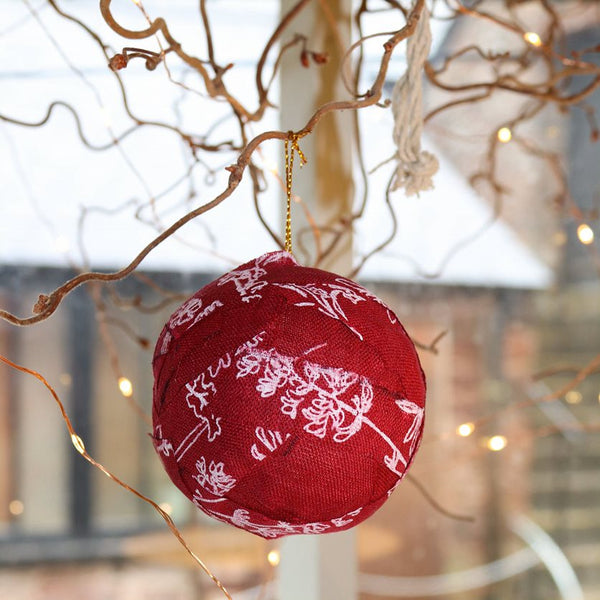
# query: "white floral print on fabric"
330,399
166,342
209,425
212,478
203,385
326,298
248,282
338,399
162,446
268,441
412,435
192,312
252,343
241,518
367,294
199,392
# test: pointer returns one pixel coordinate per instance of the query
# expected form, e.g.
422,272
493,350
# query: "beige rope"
415,168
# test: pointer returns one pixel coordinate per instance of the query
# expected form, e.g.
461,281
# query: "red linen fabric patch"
286,399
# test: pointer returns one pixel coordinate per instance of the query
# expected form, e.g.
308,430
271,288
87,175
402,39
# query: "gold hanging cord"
292,138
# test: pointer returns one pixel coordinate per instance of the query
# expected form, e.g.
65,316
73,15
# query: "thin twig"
47,304
435,504
78,443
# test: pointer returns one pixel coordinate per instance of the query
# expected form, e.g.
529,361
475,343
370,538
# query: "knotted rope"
415,167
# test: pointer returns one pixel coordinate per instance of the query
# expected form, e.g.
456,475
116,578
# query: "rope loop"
415,168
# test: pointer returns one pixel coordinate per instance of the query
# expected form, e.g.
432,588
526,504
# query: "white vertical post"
320,567
325,184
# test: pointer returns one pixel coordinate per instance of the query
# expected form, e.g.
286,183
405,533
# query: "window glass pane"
35,446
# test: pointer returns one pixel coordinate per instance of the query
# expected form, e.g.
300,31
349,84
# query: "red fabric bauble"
286,399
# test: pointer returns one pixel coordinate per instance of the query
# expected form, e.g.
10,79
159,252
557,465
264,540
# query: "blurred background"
494,273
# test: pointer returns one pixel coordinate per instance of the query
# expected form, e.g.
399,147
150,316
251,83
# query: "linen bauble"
286,399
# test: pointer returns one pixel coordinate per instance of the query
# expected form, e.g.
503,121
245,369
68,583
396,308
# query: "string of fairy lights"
493,443
585,233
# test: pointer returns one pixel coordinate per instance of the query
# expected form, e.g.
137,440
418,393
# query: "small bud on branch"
121,60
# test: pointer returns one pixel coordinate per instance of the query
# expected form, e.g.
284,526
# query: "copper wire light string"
80,447
291,140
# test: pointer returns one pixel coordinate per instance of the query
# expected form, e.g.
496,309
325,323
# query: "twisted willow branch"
47,304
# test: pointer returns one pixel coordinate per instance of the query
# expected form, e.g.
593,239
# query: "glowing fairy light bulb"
273,558
125,386
16,508
465,430
497,443
573,397
504,135
531,37
166,507
78,443
585,234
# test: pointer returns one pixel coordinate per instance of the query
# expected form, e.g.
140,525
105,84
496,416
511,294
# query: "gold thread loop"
292,139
